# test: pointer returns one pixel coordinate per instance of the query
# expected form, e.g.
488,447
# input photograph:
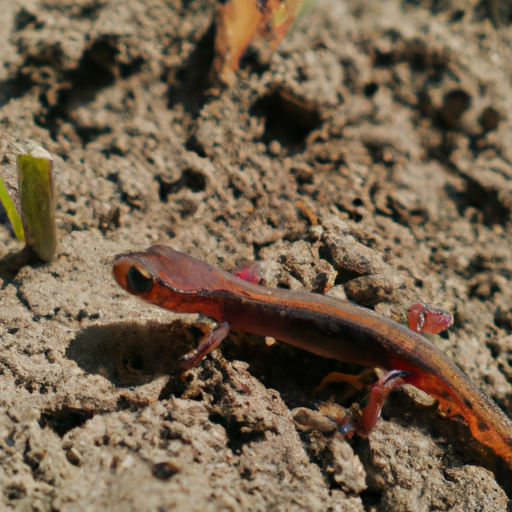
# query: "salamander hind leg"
362,420
364,380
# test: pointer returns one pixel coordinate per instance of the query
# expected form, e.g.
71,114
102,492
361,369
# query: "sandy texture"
375,146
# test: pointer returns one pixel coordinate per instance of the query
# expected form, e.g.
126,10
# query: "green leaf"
12,213
37,202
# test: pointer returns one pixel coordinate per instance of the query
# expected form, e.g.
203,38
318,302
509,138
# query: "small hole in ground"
194,180
61,422
288,119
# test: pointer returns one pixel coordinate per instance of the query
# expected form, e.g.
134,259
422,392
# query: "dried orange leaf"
238,22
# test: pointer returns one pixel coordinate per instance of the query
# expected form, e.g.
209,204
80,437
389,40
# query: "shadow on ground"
128,353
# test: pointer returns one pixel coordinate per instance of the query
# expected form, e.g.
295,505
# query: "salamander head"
149,272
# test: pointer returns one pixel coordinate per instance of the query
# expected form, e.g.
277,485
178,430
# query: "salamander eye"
138,280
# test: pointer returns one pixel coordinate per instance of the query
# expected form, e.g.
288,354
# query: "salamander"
322,325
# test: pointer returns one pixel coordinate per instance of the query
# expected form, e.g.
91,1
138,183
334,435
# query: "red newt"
323,325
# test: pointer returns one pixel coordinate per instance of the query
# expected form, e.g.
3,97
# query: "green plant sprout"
27,195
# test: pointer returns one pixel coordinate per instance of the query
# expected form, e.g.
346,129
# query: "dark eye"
137,281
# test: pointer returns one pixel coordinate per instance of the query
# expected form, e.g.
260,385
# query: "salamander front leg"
211,342
363,420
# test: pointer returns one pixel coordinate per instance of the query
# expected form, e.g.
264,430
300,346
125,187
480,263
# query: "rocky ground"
375,143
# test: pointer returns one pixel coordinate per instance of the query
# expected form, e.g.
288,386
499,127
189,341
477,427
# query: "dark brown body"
328,327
